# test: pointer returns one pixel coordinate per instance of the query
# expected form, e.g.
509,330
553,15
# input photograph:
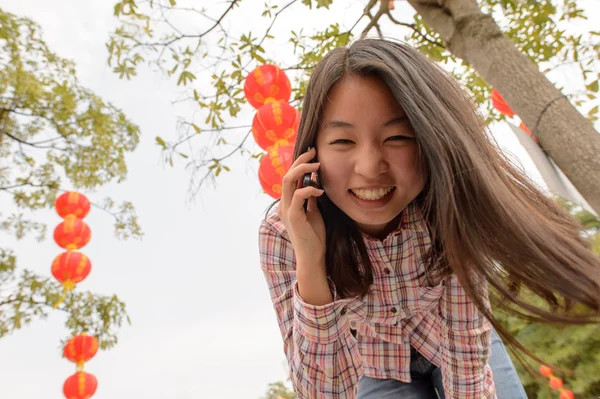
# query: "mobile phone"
308,177
307,180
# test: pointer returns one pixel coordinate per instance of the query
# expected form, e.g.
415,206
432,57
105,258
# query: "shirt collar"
412,219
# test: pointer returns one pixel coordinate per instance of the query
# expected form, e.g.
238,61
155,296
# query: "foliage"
575,349
54,131
165,35
278,390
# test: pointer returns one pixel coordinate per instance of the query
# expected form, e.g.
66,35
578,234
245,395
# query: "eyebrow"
343,124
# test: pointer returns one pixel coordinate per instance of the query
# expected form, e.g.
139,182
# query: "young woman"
381,285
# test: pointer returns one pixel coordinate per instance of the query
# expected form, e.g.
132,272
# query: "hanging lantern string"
70,268
67,288
79,350
275,125
73,233
556,383
79,365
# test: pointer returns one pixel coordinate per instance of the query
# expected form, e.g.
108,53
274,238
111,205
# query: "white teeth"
372,195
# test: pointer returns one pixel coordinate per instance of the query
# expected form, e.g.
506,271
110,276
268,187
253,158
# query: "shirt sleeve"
322,354
465,344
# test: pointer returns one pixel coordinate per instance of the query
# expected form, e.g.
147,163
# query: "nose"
370,162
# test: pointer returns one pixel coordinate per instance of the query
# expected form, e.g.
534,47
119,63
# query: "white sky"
202,321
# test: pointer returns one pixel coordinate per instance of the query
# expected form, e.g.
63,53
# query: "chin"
372,217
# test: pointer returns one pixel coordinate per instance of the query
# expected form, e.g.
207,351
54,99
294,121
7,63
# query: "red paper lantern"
273,122
265,84
273,167
73,233
501,105
72,203
545,371
556,383
81,349
566,394
70,268
80,385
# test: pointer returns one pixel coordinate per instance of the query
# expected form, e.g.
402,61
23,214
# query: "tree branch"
384,8
7,188
34,145
273,21
179,37
93,204
186,138
197,187
414,28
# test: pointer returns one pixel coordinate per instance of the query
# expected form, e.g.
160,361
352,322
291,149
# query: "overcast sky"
202,321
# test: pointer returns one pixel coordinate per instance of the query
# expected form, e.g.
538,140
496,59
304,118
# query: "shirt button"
343,312
393,310
387,271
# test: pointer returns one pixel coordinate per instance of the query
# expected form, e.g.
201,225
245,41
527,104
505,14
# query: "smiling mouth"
373,195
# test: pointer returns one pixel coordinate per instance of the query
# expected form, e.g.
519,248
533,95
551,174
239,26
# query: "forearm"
313,285
465,367
465,344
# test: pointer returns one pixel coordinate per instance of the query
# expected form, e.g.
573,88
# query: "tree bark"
566,135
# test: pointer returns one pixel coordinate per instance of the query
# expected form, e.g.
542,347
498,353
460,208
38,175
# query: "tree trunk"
566,135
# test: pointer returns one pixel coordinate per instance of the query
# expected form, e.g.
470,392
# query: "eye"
342,141
399,138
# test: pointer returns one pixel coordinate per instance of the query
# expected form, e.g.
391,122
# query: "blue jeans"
427,379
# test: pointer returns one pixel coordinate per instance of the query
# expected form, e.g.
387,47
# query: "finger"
312,205
289,183
302,195
305,158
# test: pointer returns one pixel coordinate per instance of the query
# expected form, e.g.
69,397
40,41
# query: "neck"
380,232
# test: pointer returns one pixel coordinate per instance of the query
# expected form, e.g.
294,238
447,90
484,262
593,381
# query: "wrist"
310,263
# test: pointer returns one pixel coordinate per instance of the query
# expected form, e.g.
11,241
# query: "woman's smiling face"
370,166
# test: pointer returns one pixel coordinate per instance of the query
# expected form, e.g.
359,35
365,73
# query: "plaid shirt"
326,360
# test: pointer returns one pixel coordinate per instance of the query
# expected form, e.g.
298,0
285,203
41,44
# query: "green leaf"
185,77
259,58
172,2
161,142
593,86
324,3
196,128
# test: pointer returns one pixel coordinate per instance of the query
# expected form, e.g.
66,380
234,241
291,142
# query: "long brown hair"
486,219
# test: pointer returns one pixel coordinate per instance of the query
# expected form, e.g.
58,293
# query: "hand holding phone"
303,223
